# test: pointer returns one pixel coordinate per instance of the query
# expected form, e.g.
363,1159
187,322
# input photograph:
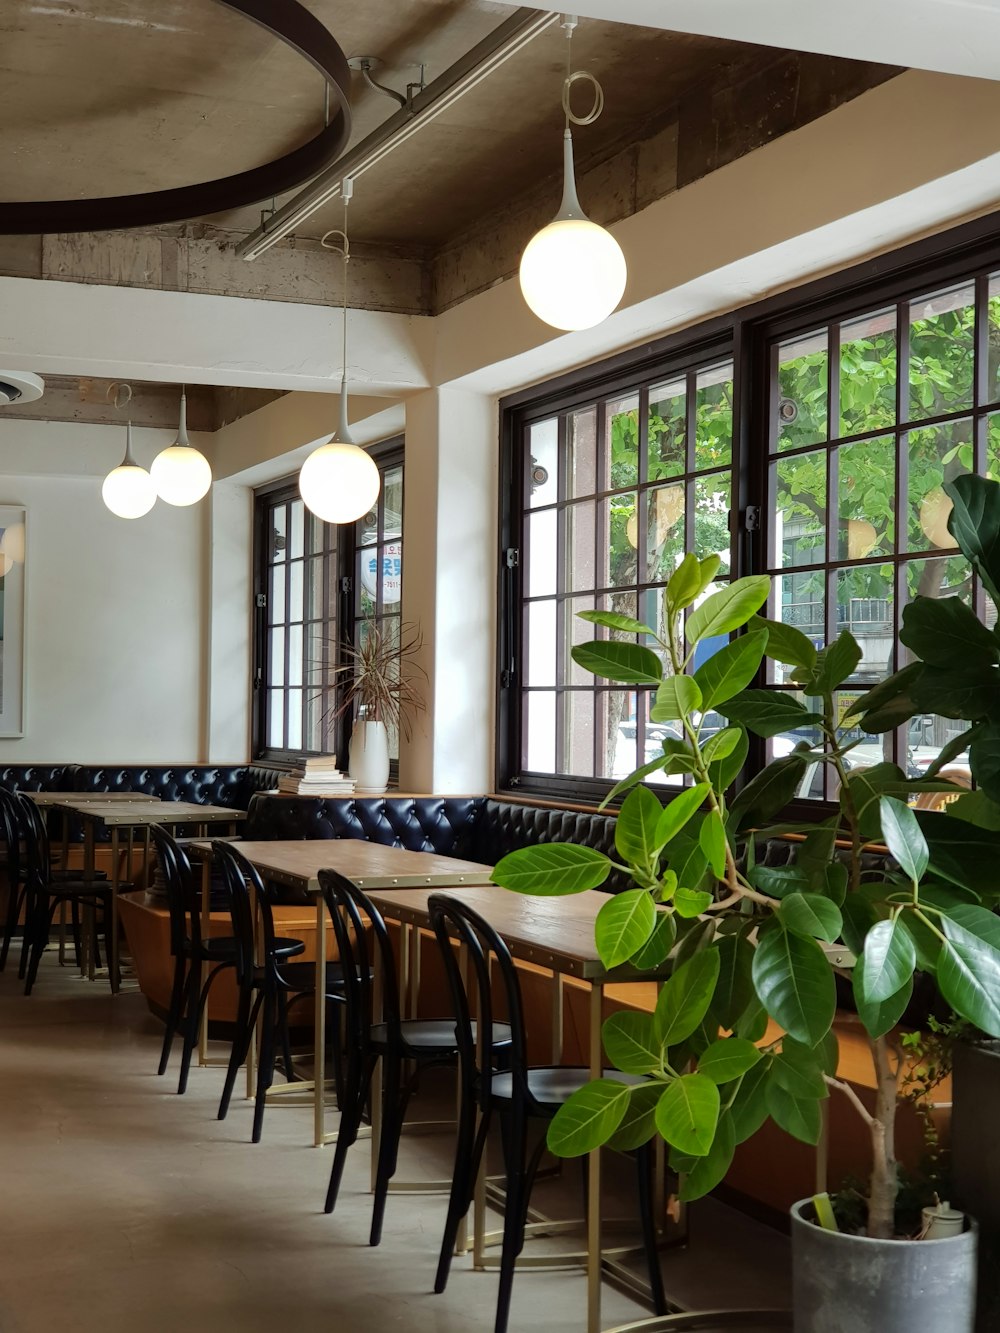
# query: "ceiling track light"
573,272
339,482
181,473
128,489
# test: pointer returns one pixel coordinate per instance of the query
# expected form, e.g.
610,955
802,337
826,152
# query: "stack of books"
317,777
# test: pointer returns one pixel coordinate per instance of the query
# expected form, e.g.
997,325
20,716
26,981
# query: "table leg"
557,1018
319,1028
377,1016
206,919
596,1062
113,943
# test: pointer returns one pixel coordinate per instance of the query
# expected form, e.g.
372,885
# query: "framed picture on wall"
12,561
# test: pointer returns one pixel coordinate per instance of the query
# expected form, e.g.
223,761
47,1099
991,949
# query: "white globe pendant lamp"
181,473
339,482
573,272
128,489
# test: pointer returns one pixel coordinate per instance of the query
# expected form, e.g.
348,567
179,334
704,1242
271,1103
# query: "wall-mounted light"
573,272
181,473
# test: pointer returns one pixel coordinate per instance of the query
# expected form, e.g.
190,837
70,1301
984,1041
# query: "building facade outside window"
831,416
317,588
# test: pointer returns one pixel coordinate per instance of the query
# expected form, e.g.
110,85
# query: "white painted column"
228,624
450,587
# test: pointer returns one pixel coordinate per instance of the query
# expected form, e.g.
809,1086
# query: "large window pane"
935,454
865,602
622,446
543,463
941,352
712,498
868,373
713,443
667,430
799,527
803,370
866,489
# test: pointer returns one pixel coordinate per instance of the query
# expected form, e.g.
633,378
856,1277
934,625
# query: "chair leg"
75,919
389,1142
359,1075
515,1211
192,1018
15,900
286,1039
40,938
645,1160
31,906
173,1013
469,1148
242,1036
265,1065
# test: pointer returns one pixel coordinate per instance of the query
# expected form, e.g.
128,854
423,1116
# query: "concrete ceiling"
109,96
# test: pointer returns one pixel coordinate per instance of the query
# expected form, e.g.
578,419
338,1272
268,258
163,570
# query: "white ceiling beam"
951,36
65,328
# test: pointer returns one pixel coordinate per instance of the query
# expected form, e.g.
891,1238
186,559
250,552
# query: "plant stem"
884,1180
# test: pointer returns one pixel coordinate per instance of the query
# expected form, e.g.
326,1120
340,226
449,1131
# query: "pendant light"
573,272
339,481
181,473
128,489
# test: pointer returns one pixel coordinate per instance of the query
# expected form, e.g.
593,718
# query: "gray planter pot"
851,1284
975,1163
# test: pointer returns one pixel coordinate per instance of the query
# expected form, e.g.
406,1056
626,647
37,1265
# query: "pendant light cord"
569,23
346,192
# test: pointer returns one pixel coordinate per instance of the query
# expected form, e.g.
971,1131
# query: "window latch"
511,557
260,601
752,519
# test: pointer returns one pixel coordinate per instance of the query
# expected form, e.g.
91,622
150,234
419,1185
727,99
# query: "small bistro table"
120,814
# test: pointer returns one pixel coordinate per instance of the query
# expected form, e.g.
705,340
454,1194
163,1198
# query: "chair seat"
302,976
554,1084
224,948
99,890
435,1034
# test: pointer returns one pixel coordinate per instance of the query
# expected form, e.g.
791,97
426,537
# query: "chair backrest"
10,829
239,879
181,889
360,931
454,920
37,861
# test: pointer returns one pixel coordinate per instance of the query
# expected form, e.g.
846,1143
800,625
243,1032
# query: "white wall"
114,643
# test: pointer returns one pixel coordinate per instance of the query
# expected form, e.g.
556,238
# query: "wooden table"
371,865
48,798
555,933
118,814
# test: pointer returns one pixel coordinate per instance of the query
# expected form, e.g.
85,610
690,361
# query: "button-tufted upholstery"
35,777
442,824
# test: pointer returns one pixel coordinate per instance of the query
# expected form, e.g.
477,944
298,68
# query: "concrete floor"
130,1210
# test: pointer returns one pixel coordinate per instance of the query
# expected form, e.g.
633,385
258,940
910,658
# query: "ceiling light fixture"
573,272
128,489
181,473
339,481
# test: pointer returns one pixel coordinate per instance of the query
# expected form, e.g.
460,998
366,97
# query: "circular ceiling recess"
19,386
292,24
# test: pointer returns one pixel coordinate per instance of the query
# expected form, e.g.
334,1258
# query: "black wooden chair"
361,936
518,1094
268,987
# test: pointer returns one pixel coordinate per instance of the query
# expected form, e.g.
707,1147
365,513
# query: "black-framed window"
316,587
613,485
854,399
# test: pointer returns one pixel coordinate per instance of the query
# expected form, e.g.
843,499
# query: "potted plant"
378,686
744,941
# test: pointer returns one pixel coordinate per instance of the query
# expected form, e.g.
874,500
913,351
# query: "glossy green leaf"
728,609
887,961
880,1016
798,1071
712,838
968,977
676,815
799,1116
926,944
780,881
724,771
633,779
612,620
588,1118
638,1124
708,1171
654,952
731,669
860,915
727,1059
636,828
812,915
693,937
835,881
552,869
978,921
691,902
975,524
975,807
888,703
794,981
623,925
835,663
902,835
984,758
676,698
824,1056
958,691
628,663
943,631
722,744
961,853
734,988
866,789
630,1042
749,1109
690,579
684,999
785,643
768,712
753,1022
687,1114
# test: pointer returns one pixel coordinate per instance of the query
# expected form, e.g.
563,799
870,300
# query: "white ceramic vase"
368,761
